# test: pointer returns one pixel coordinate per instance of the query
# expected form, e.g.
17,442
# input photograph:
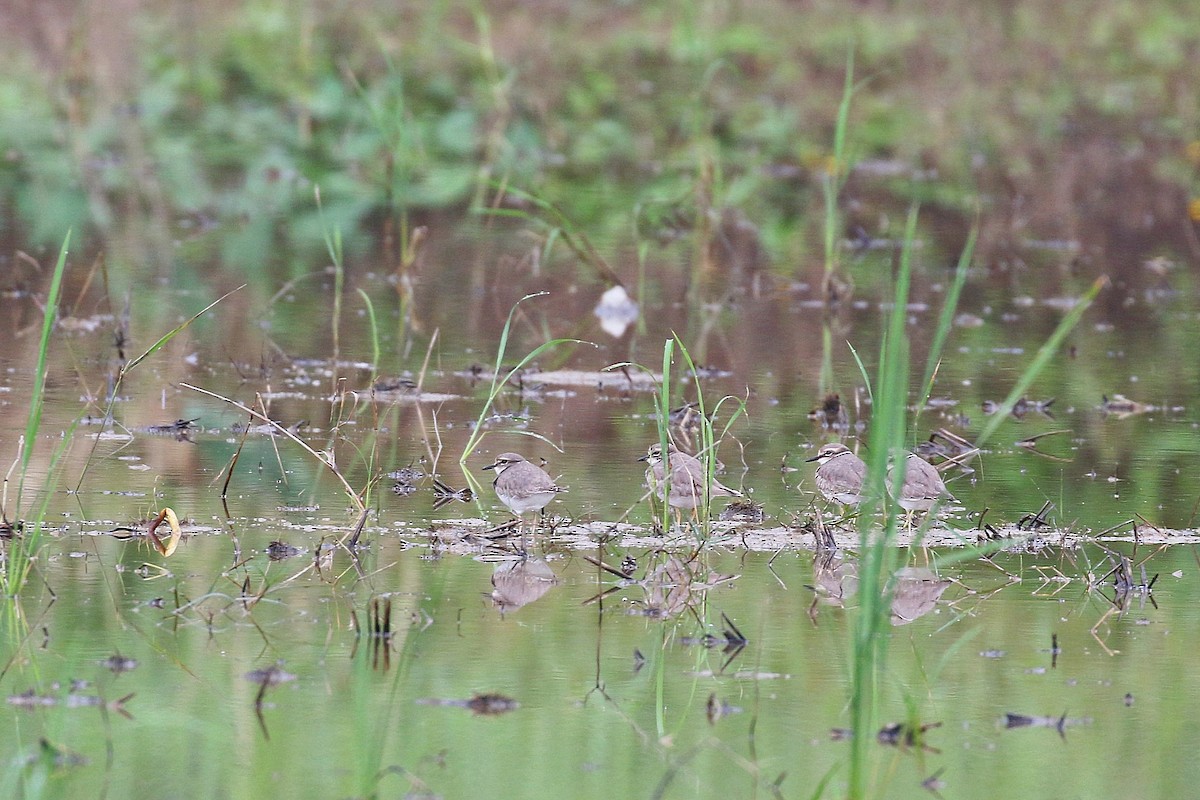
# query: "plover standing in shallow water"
522,486
923,487
686,479
840,474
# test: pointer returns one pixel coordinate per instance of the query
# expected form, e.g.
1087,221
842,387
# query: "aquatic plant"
333,245
709,437
889,439
879,558
26,533
232,130
833,178
500,378
322,458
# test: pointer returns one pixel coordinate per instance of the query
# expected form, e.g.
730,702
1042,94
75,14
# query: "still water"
611,701
439,664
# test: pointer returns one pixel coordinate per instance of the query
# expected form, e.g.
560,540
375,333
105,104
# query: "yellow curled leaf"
176,533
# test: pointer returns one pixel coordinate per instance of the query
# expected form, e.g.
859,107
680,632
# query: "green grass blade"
497,384
946,319
825,384
1041,359
171,334
37,400
707,454
862,370
832,185
664,434
17,565
879,559
374,333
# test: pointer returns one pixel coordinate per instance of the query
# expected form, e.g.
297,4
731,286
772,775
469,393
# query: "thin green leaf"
158,345
946,318
1041,359
374,332
497,386
862,370
49,314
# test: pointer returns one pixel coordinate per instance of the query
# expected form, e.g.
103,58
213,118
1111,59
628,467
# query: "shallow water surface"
615,695
433,660
371,208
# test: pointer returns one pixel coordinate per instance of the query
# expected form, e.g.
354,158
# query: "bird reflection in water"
518,582
915,592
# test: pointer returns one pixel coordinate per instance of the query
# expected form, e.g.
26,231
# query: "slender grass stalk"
413,243
20,555
946,320
825,382
660,670
37,399
333,244
879,559
497,386
169,335
664,432
862,370
831,186
130,365
374,334
34,526
708,436
1041,359
642,252
819,790
354,496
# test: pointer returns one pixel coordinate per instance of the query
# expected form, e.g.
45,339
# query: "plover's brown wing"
922,481
857,467
841,477
686,479
694,468
524,480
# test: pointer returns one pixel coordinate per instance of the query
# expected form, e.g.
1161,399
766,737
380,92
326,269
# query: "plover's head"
504,461
828,451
